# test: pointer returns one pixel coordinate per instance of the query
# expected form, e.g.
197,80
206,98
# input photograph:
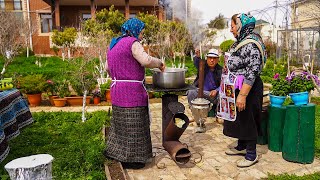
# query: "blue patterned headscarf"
245,25
132,27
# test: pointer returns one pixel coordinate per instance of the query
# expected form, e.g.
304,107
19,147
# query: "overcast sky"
211,8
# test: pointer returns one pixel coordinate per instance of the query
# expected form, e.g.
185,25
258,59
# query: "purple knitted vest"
123,66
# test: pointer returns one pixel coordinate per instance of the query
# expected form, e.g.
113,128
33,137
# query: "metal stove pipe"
171,109
201,78
173,132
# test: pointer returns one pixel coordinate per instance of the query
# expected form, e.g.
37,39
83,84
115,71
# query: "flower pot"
60,102
77,100
151,95
300,98
34,99
108,95
96,100
277,101
51,97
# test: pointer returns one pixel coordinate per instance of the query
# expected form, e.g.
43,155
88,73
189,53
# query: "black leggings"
250,145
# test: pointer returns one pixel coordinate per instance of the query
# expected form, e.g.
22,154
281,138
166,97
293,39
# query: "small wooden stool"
31,167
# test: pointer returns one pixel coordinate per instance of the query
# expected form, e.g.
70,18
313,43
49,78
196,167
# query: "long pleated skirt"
129,137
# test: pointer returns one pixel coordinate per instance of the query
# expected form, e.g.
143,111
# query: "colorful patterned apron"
226,108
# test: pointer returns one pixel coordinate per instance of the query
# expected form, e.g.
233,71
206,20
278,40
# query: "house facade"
305,13
46,15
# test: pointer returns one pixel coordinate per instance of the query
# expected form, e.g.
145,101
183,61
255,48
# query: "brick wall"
69,17
39,5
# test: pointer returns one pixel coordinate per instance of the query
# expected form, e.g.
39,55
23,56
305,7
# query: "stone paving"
215,164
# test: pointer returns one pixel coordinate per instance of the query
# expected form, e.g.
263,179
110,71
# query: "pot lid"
200,102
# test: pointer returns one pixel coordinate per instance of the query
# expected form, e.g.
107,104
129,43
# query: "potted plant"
52,91
33,86
280,90
105,90
77,86
96,96
62,89
300,86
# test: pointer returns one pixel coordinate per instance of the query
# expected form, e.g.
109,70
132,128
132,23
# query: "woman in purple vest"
129,138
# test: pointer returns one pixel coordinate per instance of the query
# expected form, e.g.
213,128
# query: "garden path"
211,145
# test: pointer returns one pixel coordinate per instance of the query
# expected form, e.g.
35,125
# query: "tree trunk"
84,106
27,51
63,55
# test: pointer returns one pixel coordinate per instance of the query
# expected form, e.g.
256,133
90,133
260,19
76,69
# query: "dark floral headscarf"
132,27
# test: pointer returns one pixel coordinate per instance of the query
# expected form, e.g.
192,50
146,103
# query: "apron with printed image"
227,106
227,101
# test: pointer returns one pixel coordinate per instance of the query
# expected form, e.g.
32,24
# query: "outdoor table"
14,115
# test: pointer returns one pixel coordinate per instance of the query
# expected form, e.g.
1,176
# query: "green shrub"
23,52
33,84
225,45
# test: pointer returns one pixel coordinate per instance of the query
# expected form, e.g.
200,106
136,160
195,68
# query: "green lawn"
76,147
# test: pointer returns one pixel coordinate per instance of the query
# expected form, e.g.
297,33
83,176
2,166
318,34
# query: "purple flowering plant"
280,87
52,89
96,93
301,82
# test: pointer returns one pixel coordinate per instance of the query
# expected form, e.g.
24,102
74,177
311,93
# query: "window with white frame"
10,5
2,5
17,5
132,15
86,16
46,22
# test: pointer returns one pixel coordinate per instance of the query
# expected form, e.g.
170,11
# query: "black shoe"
134,165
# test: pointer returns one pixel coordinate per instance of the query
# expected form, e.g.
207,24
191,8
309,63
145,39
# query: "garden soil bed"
114,171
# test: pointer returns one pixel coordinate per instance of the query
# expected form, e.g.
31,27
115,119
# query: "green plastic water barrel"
299,134
263,137
276,121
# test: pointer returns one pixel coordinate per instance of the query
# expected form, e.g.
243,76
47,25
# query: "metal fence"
299,45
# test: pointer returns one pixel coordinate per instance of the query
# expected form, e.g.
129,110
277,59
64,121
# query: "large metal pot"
171,78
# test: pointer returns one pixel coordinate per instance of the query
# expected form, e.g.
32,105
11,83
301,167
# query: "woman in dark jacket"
246,60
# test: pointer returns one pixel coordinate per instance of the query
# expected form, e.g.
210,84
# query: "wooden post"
127,9
93,9
57,14
161,13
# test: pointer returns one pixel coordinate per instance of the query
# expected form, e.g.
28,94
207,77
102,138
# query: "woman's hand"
241,102
162,67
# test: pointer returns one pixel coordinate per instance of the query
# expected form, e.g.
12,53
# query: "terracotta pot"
34,99
108,95
60,102
51,97
77,100
96,100
151,95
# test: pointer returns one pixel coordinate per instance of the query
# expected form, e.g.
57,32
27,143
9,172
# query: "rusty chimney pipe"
201,78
